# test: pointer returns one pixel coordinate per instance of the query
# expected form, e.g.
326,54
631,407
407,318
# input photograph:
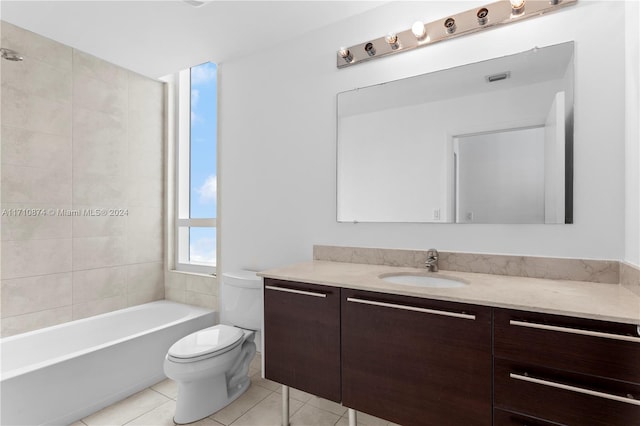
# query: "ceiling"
159,37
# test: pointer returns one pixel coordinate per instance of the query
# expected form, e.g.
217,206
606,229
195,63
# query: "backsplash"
600,271
630,277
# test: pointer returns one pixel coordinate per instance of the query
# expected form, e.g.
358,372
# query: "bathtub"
60,374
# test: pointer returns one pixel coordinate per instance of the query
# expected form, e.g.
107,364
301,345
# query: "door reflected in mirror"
489,142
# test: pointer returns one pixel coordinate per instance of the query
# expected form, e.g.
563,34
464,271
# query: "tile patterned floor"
260,406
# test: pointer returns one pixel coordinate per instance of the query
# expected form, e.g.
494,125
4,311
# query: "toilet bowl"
211,369
211,365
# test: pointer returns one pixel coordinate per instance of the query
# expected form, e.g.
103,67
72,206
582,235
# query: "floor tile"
256,379
160,416
237,408
369,420
167,387
296,394
268,412
365,420
309,415
327,405
128,409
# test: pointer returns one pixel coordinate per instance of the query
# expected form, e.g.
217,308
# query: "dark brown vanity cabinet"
416,361
564,370
302,336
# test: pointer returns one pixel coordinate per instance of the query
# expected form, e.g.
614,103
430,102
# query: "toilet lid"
208,341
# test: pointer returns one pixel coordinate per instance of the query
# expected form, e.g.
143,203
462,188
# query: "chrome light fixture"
482,15
501,12
450,25
10,55
371,51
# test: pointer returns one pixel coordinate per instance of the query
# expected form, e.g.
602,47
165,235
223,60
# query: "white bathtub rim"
195,311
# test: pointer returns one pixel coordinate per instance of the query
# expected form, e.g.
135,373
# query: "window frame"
182,183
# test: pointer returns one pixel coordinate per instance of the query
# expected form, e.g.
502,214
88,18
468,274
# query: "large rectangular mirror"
488,142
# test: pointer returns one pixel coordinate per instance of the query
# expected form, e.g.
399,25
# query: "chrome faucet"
432,260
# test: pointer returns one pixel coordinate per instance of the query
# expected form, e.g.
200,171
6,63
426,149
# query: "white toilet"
210,366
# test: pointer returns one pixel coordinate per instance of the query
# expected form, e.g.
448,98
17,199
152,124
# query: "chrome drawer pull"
290,290
575,331
575,389
411,308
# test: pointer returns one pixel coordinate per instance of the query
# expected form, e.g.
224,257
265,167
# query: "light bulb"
418,30
392,40
345,54
517,6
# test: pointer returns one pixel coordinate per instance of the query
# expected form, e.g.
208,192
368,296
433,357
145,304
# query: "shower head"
10,55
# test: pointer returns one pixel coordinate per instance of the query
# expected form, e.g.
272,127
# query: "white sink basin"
422,280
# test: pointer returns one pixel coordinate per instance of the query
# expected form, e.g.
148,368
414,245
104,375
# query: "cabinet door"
415,361
302,336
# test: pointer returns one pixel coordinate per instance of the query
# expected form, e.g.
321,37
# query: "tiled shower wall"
81,135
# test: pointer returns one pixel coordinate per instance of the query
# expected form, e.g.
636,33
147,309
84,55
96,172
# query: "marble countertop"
609,302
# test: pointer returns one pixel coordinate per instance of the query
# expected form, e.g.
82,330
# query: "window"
197,177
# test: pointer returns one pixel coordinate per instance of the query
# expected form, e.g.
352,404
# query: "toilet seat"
207,343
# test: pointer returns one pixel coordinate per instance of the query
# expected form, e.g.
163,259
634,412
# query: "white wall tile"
145,296
33,184
100,283
78,133
31,224
199,299
33,321
99,191
144,247
201,284
35,257
145,192
98,306
92,225
22,147
174,280
35,113
175,295
98,252
96,95
145,277
91,66
99,144
34,77
26,295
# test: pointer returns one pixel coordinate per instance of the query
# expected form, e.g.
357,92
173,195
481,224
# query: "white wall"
501,177
632,157
278,130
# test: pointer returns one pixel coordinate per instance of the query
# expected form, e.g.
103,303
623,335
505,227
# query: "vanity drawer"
508,418
563,397
597,348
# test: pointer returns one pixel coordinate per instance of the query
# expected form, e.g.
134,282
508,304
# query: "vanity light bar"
471,21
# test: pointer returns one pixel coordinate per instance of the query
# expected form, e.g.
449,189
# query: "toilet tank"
241,299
